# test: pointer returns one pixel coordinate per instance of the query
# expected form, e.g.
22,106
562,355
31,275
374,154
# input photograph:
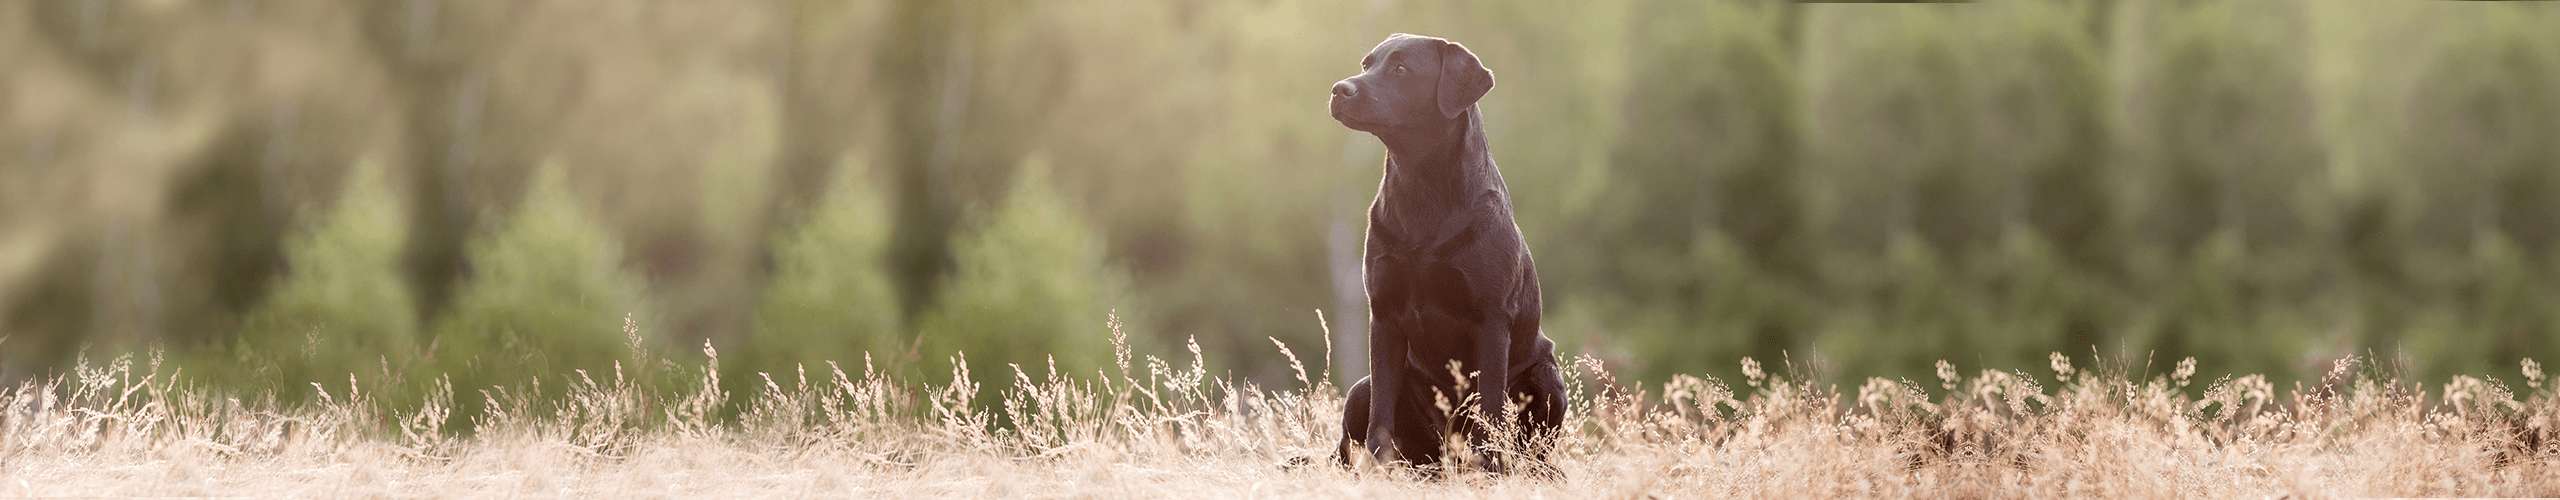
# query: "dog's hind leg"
1355,422
1541,419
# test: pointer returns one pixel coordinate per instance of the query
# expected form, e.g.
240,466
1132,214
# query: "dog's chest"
1420,288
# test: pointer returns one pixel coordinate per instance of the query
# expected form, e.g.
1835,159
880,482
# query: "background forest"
277,192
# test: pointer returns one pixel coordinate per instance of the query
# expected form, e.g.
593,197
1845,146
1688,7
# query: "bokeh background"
272,193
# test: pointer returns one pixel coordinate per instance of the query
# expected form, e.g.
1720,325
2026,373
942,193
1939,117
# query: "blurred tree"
969,83
1247,267
268,107
2235,220
669,114
1032,285
342,309
2482,116
433,50
1710,141
2041,92
832,297
1704,204
1910,205
825,68
2053,280
1893,116
2226,116
2482,216
547,295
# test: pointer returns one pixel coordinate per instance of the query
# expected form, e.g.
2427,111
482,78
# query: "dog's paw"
1295,463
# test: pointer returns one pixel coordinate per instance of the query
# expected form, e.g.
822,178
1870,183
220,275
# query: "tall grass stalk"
1158,427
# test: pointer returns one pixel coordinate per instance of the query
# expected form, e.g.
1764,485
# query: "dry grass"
1158,429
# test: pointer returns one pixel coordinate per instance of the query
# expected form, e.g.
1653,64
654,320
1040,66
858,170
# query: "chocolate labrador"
1449,277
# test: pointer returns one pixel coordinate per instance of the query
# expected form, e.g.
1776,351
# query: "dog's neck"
1433,172
1442,162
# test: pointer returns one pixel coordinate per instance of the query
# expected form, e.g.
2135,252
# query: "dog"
1448,274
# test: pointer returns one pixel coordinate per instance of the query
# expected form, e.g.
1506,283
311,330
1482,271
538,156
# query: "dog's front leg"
1386,387
1493,384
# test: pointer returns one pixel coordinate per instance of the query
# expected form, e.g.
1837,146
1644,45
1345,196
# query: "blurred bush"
832,297
547,294
2480,223
2230,162
341,310
1032,286
1961,162
1703,198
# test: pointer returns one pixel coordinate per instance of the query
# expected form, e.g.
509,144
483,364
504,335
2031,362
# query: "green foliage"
1171,209
1711,136
2483,112
2226,118
2259,184
1703,200
2224,138
832,297
2038,82
342,309
1959,159
1032,285
547,295
1893,124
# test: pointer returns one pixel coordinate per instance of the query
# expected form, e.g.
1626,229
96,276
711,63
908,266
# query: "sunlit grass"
1149,426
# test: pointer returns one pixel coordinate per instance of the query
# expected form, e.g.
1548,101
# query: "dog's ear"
1463,79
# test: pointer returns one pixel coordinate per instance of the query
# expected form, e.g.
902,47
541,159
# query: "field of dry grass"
1165,428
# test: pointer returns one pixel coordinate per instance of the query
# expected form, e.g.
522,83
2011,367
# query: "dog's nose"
1345,89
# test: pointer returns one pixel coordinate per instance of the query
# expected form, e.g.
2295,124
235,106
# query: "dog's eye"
1366,62
1400,69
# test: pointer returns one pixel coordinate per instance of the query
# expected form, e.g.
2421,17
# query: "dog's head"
1410,81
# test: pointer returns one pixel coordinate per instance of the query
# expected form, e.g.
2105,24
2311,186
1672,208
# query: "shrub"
831,298
2039,85
546,295
342,307
1705,200
1711,133
1031,283
2225,113
1891,117
2040,128
2479,122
